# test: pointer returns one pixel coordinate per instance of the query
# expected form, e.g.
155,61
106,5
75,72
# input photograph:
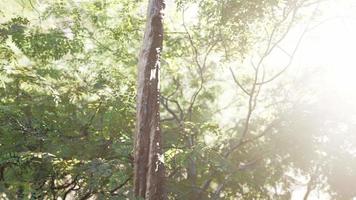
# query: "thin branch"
238,83
294,51
35,9
114,191
201,67
73,188
165,104
253,96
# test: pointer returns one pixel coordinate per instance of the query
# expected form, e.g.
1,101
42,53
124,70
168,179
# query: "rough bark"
148,168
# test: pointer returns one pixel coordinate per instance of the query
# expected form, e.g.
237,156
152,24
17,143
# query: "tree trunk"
309,188
148,165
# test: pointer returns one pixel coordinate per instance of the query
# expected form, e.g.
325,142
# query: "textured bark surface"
148,168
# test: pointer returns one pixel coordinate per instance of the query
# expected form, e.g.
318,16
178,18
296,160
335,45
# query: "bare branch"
114,191
292,55
165,104
238,83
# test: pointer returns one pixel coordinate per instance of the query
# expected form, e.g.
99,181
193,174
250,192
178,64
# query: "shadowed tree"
148,168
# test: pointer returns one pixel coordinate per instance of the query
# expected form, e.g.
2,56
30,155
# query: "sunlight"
330,46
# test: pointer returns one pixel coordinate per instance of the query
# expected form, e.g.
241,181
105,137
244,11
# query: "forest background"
257,98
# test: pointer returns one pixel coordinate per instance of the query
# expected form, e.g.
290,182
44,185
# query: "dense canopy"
239,118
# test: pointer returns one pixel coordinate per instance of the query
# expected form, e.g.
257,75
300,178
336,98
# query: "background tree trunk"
148,167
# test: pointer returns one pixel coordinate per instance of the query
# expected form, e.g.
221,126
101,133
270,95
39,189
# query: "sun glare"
330,46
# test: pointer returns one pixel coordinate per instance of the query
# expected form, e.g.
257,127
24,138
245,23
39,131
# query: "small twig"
113,191
238,83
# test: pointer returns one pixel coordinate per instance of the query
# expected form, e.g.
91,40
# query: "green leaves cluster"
66,93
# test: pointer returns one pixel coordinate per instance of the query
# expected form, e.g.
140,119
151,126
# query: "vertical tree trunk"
309,188
148,168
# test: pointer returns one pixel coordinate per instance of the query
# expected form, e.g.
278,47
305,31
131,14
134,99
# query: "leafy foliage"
67,106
